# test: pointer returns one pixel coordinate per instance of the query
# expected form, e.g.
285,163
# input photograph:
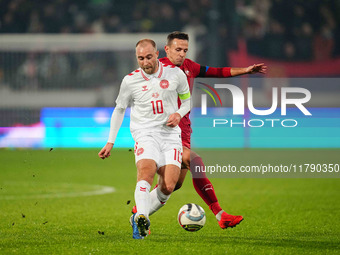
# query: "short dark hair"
145,41
177,35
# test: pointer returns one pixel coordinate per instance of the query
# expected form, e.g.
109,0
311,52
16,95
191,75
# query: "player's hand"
256,68
173,120
106,151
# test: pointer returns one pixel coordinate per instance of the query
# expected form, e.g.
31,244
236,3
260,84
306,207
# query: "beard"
148,69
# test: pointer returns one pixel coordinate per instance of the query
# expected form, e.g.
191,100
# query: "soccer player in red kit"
176,50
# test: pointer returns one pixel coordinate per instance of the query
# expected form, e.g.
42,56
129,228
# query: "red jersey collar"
166,61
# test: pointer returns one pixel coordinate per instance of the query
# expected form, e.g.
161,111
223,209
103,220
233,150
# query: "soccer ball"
191,217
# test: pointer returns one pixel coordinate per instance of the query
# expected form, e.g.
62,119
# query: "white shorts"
164,149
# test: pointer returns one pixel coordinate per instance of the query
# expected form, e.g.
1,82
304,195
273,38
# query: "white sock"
158,200
142,198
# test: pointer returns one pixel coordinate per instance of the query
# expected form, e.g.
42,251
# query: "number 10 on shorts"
178,156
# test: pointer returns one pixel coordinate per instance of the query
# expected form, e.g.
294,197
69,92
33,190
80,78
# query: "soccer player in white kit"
152,91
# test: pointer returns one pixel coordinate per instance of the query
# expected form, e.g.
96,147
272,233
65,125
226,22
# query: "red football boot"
229,221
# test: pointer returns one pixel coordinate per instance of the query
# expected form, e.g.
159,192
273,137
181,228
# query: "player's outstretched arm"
116,121
256,68
225,72
105,152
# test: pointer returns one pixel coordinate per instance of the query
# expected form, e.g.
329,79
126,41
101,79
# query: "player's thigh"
146,170
147,148
171,153
147,155
168,177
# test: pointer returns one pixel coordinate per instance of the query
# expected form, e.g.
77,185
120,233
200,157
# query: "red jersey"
189,67
191,70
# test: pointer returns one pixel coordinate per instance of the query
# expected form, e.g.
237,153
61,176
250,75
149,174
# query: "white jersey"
153,98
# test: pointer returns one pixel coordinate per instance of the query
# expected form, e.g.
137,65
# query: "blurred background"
62,61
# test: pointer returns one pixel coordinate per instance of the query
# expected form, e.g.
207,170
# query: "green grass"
282,215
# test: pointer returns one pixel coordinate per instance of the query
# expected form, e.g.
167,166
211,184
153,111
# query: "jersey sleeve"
116,121
183,86
195,68
183,92
124,96
207,71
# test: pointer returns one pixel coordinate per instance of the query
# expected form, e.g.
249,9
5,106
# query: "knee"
167,189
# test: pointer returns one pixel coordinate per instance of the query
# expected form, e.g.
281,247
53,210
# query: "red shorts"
185,125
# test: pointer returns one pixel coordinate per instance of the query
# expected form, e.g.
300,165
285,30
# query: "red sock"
203,186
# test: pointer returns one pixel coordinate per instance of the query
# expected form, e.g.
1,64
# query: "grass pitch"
48,205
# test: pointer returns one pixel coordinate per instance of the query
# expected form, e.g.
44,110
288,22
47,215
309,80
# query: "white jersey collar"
158,74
